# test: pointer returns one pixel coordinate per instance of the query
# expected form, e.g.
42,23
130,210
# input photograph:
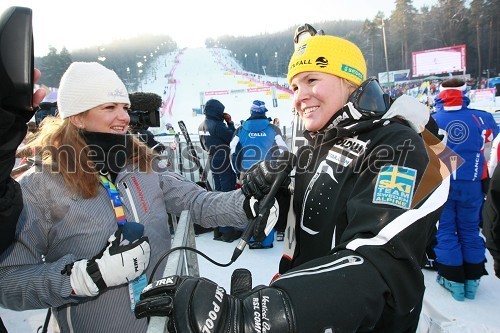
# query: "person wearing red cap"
460,250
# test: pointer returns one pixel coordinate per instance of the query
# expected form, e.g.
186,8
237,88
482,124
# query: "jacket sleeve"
224,132
11,205
491,216
278,139
22,267
12,132
343,292
235,149
208,209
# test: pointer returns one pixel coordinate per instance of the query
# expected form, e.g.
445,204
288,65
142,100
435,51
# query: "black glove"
200,305
258,180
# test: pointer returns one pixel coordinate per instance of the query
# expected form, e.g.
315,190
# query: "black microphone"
266,202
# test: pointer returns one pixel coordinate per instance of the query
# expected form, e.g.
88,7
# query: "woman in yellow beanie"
366,197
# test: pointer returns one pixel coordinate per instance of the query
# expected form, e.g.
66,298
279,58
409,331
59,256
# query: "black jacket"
220,135
367,196
12,132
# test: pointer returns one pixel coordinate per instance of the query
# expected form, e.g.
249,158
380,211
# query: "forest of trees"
407,29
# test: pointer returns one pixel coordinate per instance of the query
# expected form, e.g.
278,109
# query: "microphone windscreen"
144,101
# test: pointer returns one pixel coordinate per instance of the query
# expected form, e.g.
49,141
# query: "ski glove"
258,180
200,305
119,262
265,225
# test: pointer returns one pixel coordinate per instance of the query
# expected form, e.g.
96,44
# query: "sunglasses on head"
369,97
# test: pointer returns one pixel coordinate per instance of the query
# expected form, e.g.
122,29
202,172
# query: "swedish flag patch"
395,186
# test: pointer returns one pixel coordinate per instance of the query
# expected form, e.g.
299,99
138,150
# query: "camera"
46,109
144,111
16,59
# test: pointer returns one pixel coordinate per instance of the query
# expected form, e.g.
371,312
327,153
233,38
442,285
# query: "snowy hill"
187,79
195,71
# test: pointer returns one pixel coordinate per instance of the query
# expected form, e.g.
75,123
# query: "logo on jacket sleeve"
395,186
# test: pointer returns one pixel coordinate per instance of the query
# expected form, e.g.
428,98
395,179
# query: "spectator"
217,144
460,250
170,128
256,140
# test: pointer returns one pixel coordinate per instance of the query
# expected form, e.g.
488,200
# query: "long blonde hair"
63,149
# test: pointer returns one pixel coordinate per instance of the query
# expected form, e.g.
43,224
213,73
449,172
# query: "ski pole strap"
116,201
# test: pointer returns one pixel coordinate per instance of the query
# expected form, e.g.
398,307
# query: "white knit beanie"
86,85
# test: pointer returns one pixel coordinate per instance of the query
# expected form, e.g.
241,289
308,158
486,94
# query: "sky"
81,24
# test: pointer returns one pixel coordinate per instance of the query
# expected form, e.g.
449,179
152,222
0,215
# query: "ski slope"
193,76
195,71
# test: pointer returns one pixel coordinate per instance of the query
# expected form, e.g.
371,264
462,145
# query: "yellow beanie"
328,54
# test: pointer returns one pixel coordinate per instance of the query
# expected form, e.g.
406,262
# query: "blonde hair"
351,86
63,149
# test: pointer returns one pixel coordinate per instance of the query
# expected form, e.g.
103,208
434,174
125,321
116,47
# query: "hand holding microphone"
259,179
262,181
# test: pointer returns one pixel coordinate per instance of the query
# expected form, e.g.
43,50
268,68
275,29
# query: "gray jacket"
57,227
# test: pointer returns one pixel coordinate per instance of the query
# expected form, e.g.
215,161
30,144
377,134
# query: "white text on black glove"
269,219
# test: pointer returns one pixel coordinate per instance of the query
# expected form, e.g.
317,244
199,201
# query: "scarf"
109,152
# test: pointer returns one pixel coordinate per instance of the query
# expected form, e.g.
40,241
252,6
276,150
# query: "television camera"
16,59
144,111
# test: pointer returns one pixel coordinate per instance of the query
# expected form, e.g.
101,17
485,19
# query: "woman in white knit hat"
94,222
366,196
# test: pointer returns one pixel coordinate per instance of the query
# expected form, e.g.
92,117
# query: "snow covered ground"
201,70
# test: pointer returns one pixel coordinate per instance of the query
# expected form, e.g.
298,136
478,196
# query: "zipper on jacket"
132,203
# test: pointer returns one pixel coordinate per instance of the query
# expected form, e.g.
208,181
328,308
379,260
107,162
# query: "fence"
178,157
180,262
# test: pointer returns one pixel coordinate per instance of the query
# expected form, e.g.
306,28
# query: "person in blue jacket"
460,250
216,142
256,140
